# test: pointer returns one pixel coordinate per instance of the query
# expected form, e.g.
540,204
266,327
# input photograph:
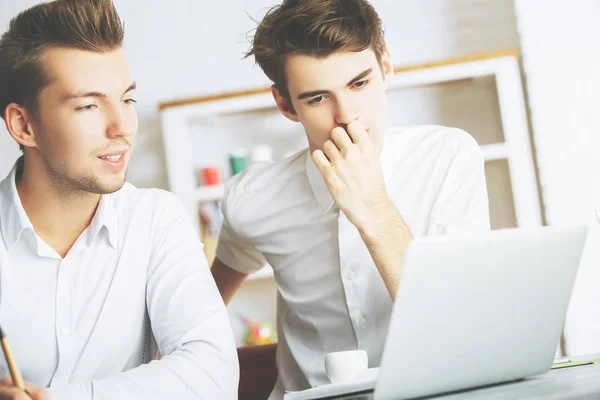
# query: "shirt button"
361,322
351,275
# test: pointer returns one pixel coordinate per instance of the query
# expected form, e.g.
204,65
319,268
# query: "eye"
130,101
316,100
361,84
88,107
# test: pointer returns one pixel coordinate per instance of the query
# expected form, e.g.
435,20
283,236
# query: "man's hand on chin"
352,171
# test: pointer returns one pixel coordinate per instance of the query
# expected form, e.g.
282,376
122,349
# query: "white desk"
581,383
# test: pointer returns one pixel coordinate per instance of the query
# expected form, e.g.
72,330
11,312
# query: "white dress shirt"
330,294
87,325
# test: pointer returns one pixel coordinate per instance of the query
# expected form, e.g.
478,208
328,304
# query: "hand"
352,171
10,392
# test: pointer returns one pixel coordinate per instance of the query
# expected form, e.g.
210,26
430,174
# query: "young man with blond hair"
334,221
94,272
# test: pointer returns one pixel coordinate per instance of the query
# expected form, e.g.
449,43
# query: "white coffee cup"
345,366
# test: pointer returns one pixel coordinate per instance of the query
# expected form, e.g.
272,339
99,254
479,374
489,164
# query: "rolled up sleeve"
233,249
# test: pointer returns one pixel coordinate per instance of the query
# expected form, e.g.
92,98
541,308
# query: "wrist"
381,220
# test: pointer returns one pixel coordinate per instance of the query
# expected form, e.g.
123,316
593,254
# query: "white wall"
561,53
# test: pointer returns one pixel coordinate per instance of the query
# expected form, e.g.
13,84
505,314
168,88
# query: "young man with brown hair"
94,272
334,221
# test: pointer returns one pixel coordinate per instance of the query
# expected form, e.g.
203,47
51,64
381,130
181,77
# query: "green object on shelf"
238,161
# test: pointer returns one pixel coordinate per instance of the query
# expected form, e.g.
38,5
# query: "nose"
345,112
122,123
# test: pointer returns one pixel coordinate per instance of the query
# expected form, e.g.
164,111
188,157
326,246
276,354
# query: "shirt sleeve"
463,201
233,249
189,322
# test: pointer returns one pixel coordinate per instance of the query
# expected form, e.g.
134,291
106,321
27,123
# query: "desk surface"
581,382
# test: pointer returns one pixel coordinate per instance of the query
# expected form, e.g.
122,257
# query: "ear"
387,67
283,105
19,125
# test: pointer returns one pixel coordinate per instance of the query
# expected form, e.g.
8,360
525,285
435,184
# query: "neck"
58,215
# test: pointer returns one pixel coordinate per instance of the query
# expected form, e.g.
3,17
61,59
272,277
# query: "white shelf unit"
484,88
491,152
209,193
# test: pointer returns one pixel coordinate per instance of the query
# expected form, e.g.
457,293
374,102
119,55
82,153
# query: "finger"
326,169
321,162
323,165
12,393
331,151
341,139
36,392
31,391
8,382
358,134
40,394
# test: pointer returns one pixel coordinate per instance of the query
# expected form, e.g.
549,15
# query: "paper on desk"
365,381
566,362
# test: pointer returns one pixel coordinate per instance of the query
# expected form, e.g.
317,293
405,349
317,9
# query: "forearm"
387,237
228,280
351,168
198,369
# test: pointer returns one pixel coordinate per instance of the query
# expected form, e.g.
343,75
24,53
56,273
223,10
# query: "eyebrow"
96,94
306,95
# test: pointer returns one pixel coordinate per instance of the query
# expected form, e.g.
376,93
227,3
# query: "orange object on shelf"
211,176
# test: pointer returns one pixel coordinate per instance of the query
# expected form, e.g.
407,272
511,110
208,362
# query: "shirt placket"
64,328
349,238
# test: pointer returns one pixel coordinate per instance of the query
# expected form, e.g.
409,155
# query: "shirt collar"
317,184
14,219
319,187
106,216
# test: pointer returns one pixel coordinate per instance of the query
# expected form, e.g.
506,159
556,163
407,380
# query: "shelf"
210,193
265,273
491,152
496,151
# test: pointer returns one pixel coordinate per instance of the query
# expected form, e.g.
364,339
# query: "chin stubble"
63,181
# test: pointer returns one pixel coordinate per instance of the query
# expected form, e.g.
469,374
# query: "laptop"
473,311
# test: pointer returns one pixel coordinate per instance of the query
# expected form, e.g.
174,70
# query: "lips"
115,157
115,160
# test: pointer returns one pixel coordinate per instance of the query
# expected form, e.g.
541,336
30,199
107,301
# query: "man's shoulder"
151,202
152,215
265,177
432,144
431,136
131,193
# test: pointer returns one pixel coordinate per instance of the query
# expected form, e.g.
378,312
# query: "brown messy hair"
316,28
91,25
